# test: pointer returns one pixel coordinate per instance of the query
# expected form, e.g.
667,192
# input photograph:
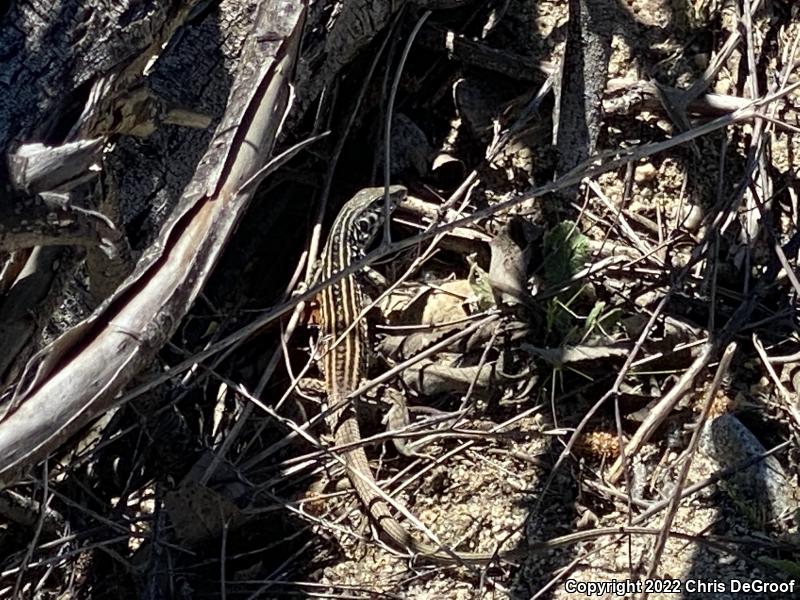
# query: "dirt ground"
489,495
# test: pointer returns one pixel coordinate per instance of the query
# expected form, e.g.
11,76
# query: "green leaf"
479,282
594,316
787,566
565,250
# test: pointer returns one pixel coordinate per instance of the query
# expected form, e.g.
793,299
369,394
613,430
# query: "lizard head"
367,212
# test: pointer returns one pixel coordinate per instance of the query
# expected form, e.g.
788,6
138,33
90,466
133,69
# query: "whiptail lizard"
346,354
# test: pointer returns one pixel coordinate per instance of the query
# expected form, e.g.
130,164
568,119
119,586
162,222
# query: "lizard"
344,360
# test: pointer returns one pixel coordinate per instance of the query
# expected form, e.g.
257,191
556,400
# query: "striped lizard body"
346,354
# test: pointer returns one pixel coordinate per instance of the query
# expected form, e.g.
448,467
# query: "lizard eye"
366,226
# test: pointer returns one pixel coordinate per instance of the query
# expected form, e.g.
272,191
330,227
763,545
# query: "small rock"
691,217
645,173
